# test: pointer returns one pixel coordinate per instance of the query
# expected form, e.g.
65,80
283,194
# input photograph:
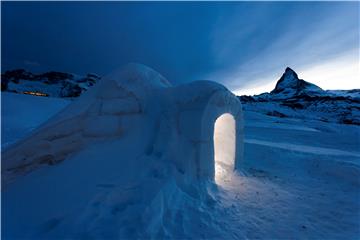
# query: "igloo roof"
137,77
133,81
198,90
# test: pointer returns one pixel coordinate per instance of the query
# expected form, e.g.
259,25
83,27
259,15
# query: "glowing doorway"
224,146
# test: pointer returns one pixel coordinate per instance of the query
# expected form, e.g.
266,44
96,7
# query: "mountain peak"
289,79
288,70
289,83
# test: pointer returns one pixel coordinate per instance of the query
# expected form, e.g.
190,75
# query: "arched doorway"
224,145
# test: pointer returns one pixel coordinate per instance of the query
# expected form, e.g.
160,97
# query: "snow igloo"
197,126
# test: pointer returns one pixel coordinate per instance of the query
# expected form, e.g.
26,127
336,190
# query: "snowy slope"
302,181
294,97
20,114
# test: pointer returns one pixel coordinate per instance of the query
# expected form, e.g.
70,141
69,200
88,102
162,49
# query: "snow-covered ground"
22,113
301,180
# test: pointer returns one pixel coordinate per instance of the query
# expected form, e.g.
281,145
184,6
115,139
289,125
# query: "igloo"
192,125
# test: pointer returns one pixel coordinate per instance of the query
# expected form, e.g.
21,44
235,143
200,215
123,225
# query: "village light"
36,93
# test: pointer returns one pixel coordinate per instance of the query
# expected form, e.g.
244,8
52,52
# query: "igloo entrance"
224,145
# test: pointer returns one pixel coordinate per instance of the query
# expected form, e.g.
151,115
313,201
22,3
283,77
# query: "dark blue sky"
236,43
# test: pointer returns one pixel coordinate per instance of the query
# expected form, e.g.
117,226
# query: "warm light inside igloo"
224,146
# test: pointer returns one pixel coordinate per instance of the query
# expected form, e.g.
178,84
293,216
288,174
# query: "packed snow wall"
177,122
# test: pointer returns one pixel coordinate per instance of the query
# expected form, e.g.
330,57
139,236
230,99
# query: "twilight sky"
244,45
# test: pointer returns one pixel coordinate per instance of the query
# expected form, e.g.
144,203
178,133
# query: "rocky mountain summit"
294,97
52,84
290,85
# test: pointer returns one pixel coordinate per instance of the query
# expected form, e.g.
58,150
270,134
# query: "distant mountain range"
294,97
291,97
52,84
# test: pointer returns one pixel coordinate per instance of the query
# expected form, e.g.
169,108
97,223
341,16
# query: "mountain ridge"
290,80
49,84
295,97
292,97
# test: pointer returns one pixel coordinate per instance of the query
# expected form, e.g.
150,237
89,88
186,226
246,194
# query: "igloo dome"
184,125
132,79
188,116
137,76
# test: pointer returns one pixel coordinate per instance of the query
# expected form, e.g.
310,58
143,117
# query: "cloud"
239,44
308,38
342,72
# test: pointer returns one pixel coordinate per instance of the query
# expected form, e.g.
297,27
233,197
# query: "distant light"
36,93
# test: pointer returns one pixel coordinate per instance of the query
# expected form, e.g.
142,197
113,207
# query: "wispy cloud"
244,45
304,37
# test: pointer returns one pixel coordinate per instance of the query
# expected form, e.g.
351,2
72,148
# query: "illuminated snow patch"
224,146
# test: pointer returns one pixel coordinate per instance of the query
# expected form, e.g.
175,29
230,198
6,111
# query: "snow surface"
301,191
21,114
335,111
